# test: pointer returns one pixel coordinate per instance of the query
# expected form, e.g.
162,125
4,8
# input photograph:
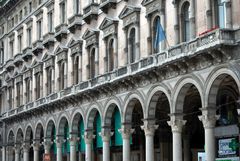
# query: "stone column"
192,20
26,147
176,124
209,14
228,14
126,132
3,153
176,25
88,137
209,119
106,136
17,152
73,143
36,146
59,143
47,145
149,128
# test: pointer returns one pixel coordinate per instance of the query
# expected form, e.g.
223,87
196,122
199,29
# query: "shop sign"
227,147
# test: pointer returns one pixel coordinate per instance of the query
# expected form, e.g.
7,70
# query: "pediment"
107,22
61,49
24,68
90,32
145,2
34,63
47,56
128,10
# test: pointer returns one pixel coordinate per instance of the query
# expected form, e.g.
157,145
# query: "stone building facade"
90,80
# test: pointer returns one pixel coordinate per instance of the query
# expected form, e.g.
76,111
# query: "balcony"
90,12
108,4
9,65
37,47
18,60
75,23
204,45
61,32
27,54
48,40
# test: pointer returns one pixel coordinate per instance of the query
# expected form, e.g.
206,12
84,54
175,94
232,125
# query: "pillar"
228,14
209,119
88,137
36,146
209,14
26,147
126,132
73,143
106,136
176,124
176,25
149,128
47,145
17,152
59,143
3,153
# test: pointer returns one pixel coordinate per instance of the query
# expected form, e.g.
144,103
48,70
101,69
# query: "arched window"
38,85
18,85
132,45
76,70
62,73
185,22
156,42
92,64
49,80
28,90
10,100
111,55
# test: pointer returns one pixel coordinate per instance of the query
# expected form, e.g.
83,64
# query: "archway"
10,149
134,116
78,130
51,136
19,143
39,137
29,140
158,112
63,131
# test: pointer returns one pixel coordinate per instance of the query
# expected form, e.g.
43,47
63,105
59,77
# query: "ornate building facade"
91,81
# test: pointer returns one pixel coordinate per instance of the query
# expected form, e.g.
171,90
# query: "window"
110,55
62,76
20,43
186,22
39,28
50,21
132,45
25,11
77,8
20,15
28,90
30,7
10,103
12,22
156,28
2,52
62,12
18,85
92,64
11,48
49,80
29,35
76,70
221,13
38,85
39,2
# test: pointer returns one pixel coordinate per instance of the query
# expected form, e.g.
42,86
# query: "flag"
160,34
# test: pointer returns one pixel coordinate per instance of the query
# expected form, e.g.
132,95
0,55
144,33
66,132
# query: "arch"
75,121
10,138
91,116
214,81
132,99
181,89
61,124
153,95
38,130
50,125
28,133
109,110
19,136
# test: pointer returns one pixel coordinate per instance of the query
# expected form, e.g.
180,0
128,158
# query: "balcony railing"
196,46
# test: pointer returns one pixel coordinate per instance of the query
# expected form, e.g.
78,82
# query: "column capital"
149,126
176,122
126,131
59,141
36,145
208,117
73,139
88,136
17,147
26,146
106,134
